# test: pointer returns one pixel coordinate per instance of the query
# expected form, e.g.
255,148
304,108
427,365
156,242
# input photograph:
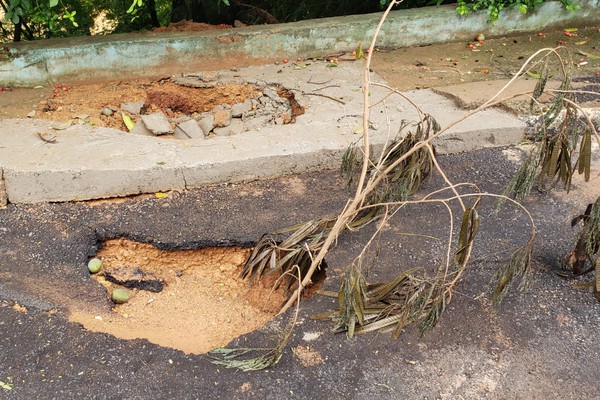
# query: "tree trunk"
209,11
153,14
18,31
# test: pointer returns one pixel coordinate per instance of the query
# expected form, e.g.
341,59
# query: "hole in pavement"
193,106
190,300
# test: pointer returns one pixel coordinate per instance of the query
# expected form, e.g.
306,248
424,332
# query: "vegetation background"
39,19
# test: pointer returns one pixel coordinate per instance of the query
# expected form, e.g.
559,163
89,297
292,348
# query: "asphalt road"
539,344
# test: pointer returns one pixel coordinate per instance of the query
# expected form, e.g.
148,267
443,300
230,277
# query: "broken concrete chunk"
134,107
140,129
222,118
198,79
189,130
179,119
272,94
236,126
222,131
258,122
157,123
207,123
237,110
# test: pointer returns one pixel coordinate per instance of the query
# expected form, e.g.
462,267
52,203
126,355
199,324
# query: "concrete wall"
151,54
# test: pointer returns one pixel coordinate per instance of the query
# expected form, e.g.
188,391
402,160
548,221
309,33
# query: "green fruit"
94,265
119,296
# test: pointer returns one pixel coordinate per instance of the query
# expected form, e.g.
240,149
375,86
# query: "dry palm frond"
403,300
597,280
519,267
271,255
268,357
585,155
539,87
556,163
229,358
523,180
404,178
588,242
553,154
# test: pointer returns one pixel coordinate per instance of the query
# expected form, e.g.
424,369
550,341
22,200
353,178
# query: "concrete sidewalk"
165,53
91,162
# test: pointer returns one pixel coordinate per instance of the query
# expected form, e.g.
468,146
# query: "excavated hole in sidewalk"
169,107
190,300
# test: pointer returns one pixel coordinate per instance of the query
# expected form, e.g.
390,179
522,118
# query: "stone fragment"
272,94
157,123
238,109
198,79
107,111
134,107
140,129
236,126
179,119
207,123
189,130
258,122
222,131
286,116
222,118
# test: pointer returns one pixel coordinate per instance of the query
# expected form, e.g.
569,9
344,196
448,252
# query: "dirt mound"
185,25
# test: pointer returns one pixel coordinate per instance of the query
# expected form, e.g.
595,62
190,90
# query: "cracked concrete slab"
92,162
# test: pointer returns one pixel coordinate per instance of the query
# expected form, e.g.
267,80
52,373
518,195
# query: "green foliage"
494,7
37,19
39,12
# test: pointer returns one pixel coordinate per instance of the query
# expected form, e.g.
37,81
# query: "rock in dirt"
107,111
157,123
207,123
238,109
236,126
134,107
222,118
140,129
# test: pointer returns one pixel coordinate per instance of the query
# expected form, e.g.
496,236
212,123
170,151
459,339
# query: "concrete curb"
151,54
89,162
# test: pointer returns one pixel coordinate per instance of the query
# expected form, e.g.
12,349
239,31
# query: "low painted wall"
152,54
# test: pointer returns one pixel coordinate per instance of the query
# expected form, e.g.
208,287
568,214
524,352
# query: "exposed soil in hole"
204,304
86,101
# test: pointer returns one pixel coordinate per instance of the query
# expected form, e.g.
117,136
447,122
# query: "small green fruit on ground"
94,265
120,296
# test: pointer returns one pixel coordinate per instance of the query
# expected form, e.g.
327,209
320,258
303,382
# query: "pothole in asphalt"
190,300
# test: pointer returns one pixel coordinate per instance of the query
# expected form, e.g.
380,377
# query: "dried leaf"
128,121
